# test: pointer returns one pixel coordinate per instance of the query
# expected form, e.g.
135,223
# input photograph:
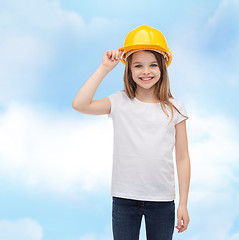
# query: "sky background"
55,163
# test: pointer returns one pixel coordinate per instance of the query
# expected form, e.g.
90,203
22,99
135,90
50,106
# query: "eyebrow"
140,62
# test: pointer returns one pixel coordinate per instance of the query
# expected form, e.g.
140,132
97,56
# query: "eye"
154,65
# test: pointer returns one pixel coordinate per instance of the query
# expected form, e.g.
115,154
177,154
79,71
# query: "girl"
148,122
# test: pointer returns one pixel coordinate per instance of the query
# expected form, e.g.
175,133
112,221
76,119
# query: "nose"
146,71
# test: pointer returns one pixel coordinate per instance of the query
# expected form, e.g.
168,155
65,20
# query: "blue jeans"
127,215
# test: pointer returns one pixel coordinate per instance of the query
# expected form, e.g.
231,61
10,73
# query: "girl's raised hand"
111,58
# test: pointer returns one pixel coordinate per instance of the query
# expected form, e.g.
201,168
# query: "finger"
183,228
113,55
185,225
117,53
179,222
180,230
109,53
185,222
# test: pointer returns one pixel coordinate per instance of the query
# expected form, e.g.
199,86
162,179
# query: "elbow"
75,106
78,108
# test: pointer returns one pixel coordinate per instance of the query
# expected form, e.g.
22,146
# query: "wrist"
182,204
105,69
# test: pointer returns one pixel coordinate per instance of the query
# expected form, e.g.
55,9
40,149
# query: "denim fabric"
127,215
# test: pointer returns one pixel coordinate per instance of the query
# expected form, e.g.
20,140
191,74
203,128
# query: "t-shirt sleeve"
182,109
115,99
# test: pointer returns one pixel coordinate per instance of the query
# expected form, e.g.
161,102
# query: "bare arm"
184,172
84,97
182,161
86,93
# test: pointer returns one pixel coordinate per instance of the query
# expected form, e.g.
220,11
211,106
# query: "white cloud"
213,196
53,152
57,153
21,229
32,33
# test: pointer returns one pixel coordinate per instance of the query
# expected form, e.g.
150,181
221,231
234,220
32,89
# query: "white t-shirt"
143,167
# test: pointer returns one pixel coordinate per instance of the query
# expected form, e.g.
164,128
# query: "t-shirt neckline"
137,100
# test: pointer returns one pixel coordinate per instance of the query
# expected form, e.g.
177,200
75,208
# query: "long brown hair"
162,89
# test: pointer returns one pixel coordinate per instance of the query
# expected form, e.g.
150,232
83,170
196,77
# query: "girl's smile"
147,79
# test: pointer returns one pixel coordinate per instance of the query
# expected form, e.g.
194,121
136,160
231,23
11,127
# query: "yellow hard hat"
145,37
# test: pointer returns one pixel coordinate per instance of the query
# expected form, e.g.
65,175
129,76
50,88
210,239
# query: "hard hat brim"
167,54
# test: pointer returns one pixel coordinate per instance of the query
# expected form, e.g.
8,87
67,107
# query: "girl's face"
145,69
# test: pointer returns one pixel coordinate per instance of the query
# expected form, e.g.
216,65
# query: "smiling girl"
148,123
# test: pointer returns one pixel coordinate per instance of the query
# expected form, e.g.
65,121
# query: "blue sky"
55,163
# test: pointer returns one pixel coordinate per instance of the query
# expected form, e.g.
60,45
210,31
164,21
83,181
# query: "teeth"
147,78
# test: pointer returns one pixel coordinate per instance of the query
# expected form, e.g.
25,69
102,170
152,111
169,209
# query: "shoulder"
116,97
176,102
117,93
179,104
120,92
